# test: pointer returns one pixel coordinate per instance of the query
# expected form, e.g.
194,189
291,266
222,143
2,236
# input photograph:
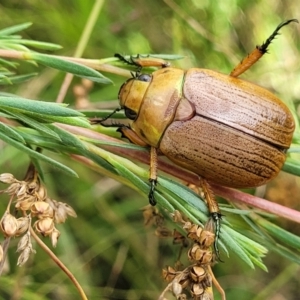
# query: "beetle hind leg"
214,211
153,175
258,52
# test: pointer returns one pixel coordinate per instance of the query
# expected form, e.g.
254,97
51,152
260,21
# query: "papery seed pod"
195,253
25,203
44,226
7,178
24,242
187,226
13,188
177,217
60,215
207,257
168,273
41,193
181,297
176,288
24,256
55,234
207,238
185,282
23,225
22,189
197,274
69,210
194,232
40,208
32,186
9,225
197,289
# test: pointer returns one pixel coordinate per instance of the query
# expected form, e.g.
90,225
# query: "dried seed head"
24,256
32,186
44,226
197,290
176,288
41,193
9,225
195,253
25,203
181,297
70,211
206,239
187,225
197,273
62,211
13,188
168,274
7,178
22,189
40,209
24,242
177,217
194,232
55,234
23,225
185,282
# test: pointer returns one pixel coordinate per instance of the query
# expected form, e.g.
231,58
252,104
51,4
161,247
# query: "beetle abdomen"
220,153
240,105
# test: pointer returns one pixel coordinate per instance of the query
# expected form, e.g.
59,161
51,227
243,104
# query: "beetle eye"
144,77
130,114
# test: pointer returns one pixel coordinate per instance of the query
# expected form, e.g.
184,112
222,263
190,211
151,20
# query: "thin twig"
59,263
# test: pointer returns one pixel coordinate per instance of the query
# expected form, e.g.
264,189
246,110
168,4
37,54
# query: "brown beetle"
226,130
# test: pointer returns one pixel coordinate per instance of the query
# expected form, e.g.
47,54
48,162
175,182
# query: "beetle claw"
217,217
151,198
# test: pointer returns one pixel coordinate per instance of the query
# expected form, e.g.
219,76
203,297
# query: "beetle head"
131,94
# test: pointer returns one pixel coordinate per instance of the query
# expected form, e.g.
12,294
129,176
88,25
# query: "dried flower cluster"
30,202
197,278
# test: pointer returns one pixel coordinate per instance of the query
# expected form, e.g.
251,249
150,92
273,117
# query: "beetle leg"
131,136
214,210
142,62
153,175
258,52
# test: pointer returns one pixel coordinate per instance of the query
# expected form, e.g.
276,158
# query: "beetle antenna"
97,120
264,47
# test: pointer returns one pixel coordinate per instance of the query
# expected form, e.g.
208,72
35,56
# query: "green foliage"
108,237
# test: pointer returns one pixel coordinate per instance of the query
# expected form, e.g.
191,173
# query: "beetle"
226,130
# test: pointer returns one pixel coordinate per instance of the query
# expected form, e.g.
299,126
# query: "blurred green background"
107,247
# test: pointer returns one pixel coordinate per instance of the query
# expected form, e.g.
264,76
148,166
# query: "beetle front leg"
214,211
258,52
134,138
153,175
142,62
